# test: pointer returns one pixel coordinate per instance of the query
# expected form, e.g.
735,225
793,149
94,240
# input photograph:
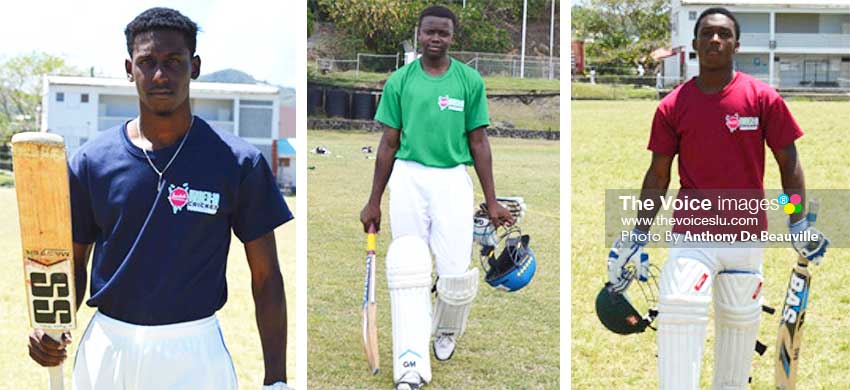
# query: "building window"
84,98
692,15
255,118
60,96
692,55
674,23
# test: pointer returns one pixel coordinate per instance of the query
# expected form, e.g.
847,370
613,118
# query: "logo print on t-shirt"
178,196
194,200
445,102
742,123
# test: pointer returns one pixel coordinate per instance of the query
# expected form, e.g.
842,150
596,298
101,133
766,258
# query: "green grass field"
512,339
609,152
18,371
611,92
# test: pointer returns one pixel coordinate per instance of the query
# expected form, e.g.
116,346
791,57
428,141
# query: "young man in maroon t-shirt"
718,124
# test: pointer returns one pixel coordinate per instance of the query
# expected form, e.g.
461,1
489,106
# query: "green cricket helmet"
623,314
618,314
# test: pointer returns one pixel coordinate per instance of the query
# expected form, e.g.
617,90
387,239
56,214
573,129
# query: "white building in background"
78,108
786,43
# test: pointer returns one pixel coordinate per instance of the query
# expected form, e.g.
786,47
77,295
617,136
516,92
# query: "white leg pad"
455,294
684,296
409,278
737,310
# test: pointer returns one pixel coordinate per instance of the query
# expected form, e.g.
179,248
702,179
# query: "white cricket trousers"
115,355
435,204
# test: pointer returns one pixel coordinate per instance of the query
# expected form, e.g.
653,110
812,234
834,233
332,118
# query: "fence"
376,63
611,87
510,65
488,64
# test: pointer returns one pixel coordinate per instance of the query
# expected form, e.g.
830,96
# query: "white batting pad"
409,278
684,295
737,311
455,294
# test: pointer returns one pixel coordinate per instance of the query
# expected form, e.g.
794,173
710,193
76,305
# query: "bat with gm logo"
790,335
44,212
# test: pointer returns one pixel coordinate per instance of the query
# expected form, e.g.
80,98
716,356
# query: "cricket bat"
370,307
790,335
44,212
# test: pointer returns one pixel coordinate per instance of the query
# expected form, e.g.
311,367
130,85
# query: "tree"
20,89
385,24
622,33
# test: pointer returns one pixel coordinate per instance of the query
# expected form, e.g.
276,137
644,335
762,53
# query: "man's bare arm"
269,304
655,185
82,253
390,142
791,174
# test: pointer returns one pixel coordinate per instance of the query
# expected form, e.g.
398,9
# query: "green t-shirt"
434,113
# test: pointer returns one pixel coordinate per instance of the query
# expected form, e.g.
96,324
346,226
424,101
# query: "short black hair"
440,12
722,11
160,18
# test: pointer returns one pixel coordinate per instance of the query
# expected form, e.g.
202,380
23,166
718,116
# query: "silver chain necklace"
162,172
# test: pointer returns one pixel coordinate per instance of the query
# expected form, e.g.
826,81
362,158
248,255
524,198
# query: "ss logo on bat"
51,298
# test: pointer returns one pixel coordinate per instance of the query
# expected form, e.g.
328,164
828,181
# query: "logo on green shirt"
452,104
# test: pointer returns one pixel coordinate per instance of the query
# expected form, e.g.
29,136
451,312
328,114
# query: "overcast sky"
257,37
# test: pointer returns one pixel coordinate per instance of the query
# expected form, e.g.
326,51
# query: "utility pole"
522,55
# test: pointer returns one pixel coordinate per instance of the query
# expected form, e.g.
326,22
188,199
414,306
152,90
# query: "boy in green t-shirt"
434,111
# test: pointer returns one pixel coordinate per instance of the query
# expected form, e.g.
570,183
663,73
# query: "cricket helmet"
514,267
620,314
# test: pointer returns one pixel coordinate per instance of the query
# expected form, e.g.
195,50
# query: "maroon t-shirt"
720,137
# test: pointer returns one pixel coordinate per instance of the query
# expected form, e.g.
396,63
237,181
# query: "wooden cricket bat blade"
790,334
44,213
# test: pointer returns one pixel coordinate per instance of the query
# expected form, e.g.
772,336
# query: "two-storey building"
790,44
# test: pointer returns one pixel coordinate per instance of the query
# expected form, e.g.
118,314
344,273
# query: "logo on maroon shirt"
743,123
732,122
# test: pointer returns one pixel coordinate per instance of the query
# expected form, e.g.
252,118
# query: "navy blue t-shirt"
160,257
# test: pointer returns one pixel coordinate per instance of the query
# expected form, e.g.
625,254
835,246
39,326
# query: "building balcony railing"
761,40
823,41
788,40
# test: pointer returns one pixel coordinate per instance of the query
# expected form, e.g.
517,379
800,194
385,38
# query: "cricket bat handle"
56,381
370,240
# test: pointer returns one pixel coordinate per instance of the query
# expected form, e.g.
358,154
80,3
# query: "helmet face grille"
514,267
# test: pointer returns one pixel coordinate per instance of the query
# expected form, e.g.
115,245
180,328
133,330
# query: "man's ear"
128,67
196,67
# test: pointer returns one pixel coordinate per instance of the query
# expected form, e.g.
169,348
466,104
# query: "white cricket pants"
435,204
115,355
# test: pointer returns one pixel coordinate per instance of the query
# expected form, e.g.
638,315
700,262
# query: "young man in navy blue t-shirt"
157,198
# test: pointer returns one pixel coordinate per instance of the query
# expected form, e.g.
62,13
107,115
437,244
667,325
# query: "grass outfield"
18,371
609,151
512,339
611,92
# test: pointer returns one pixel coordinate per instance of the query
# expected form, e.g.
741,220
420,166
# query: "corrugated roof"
773,3
198,86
